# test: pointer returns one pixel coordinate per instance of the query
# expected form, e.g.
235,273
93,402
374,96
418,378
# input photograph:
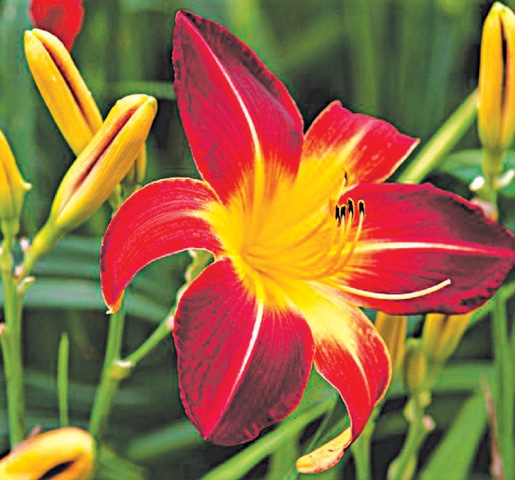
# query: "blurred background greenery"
411,62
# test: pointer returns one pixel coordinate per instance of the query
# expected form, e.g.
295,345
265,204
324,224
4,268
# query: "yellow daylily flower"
71,448
62,87
12,189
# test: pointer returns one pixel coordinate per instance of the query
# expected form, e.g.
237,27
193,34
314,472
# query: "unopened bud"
392,329
496,110
70,449
62,87
96,172
415,367
12,190
442,334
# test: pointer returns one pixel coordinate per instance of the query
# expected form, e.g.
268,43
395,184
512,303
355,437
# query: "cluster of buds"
496,109
107,151
418,361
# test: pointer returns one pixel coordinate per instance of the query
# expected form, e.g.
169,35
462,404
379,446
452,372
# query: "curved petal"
352,357
237,115
160,219
366,149
419,238
242,366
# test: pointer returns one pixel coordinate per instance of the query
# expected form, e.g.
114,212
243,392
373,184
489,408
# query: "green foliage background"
411,62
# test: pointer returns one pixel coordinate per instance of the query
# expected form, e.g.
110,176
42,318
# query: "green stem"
113,372
361,448
62,380
420,425
442,142
160,333
504,394
11,347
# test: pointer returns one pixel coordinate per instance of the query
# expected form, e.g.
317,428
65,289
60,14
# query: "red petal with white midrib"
158,220
241,366
367,149
235,112
415,237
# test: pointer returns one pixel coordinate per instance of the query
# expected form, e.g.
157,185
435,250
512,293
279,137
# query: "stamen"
350,203
395,296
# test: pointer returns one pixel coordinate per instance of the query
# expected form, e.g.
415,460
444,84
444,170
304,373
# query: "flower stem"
62,380
113,372
361,448
504,392
420,425
442,142
10,338
160,333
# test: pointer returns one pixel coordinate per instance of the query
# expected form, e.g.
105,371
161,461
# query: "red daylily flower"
63,18
303,232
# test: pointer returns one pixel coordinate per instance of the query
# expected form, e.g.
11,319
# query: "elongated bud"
63,89
12,189
442,334
415,367
104,162
392,329
71,449
496,113
96,172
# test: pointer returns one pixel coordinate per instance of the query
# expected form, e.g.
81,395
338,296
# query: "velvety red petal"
415,237
160,219
351,356
63,18
241,366
235,112
368,149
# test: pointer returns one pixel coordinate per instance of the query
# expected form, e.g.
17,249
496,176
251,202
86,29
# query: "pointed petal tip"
326,456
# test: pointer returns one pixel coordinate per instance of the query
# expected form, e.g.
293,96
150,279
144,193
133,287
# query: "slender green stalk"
112,373
361,448
11,347
159,334
442,142
492,165
420,425
62,380
504,397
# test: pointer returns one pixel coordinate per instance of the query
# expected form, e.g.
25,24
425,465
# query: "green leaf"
455,453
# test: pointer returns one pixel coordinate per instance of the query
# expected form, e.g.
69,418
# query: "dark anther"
345,178
361,207
337,213
350,203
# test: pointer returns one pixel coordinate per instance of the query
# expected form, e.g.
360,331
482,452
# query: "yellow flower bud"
392,329
12,189
442,334
64,91
496,110
415,367
38,455
96,172
104,162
